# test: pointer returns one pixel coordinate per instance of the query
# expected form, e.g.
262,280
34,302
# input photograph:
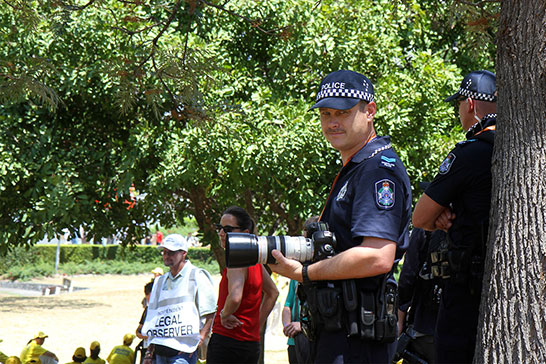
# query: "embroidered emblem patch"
447,163
384,193
342,192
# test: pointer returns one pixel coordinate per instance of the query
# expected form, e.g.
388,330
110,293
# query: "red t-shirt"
249,309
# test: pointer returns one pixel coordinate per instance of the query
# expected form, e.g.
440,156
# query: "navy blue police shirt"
371,197
463,183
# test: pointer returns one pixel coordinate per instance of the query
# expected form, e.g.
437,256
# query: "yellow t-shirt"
90,360
32,352
121,354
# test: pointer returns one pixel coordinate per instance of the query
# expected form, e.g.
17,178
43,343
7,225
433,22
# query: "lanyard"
371,138
491,127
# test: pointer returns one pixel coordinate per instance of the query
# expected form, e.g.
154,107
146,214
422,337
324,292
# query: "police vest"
173,319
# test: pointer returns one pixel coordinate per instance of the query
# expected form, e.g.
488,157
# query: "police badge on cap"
342,90
478,85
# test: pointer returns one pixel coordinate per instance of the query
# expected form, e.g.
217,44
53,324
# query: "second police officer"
352,299
458,201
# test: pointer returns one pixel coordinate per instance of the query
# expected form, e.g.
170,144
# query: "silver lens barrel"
293,247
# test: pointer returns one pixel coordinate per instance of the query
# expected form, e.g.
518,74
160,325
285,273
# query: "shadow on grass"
22,304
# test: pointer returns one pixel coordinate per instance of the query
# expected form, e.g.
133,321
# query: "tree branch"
75,7
133,32
11,5
255,22
477,4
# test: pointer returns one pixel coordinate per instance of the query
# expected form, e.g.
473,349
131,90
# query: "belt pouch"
329,307
367,315
351,305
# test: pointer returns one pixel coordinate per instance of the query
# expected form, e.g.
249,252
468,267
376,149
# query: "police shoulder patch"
447,163
385,193
386,162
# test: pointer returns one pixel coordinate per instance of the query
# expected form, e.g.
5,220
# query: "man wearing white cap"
35,352
181,308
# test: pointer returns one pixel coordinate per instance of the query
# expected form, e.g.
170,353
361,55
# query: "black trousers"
336,348
225,350
457,324
292,357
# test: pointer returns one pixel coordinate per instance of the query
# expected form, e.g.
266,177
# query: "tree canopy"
120,114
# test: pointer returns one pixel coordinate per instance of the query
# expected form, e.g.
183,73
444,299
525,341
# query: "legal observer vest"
173,319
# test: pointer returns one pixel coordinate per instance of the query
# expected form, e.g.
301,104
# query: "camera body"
245,250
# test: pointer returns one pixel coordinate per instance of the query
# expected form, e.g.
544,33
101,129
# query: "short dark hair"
148,287
243,218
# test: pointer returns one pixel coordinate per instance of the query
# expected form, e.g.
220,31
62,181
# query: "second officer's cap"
478,85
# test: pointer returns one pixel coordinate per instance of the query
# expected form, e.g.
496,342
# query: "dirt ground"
109,308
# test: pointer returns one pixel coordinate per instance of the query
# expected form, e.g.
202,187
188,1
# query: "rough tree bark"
513,309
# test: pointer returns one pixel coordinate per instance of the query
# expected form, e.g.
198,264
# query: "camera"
245,250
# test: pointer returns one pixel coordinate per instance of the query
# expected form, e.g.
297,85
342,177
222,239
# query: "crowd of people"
35,353
342,307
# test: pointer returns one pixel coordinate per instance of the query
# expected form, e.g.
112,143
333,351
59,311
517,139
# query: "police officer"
368,209
419,291
458,202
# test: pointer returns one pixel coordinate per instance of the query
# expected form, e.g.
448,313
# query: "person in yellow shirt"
3,357
35,353
12,360
79,356
122,354
93,357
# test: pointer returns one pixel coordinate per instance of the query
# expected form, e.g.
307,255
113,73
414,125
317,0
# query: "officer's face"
466,113
348,130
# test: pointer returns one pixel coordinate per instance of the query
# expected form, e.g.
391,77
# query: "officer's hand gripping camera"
244,250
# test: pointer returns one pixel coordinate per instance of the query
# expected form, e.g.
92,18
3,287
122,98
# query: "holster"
386,326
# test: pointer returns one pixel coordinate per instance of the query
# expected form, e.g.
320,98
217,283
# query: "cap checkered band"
349,93
477,95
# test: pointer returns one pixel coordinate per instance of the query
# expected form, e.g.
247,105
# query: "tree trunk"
513,308
204,211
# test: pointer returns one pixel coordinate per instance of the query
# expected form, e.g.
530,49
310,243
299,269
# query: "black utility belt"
457,264
369,315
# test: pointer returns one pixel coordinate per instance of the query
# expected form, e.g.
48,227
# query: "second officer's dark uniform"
463,184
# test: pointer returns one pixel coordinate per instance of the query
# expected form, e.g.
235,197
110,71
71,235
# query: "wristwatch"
304,275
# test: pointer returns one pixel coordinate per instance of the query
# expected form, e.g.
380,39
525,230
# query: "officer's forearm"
426,212
361,261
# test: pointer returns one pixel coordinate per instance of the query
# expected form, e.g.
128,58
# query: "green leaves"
202,106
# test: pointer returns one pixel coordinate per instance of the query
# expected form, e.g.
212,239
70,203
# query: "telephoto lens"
245,250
